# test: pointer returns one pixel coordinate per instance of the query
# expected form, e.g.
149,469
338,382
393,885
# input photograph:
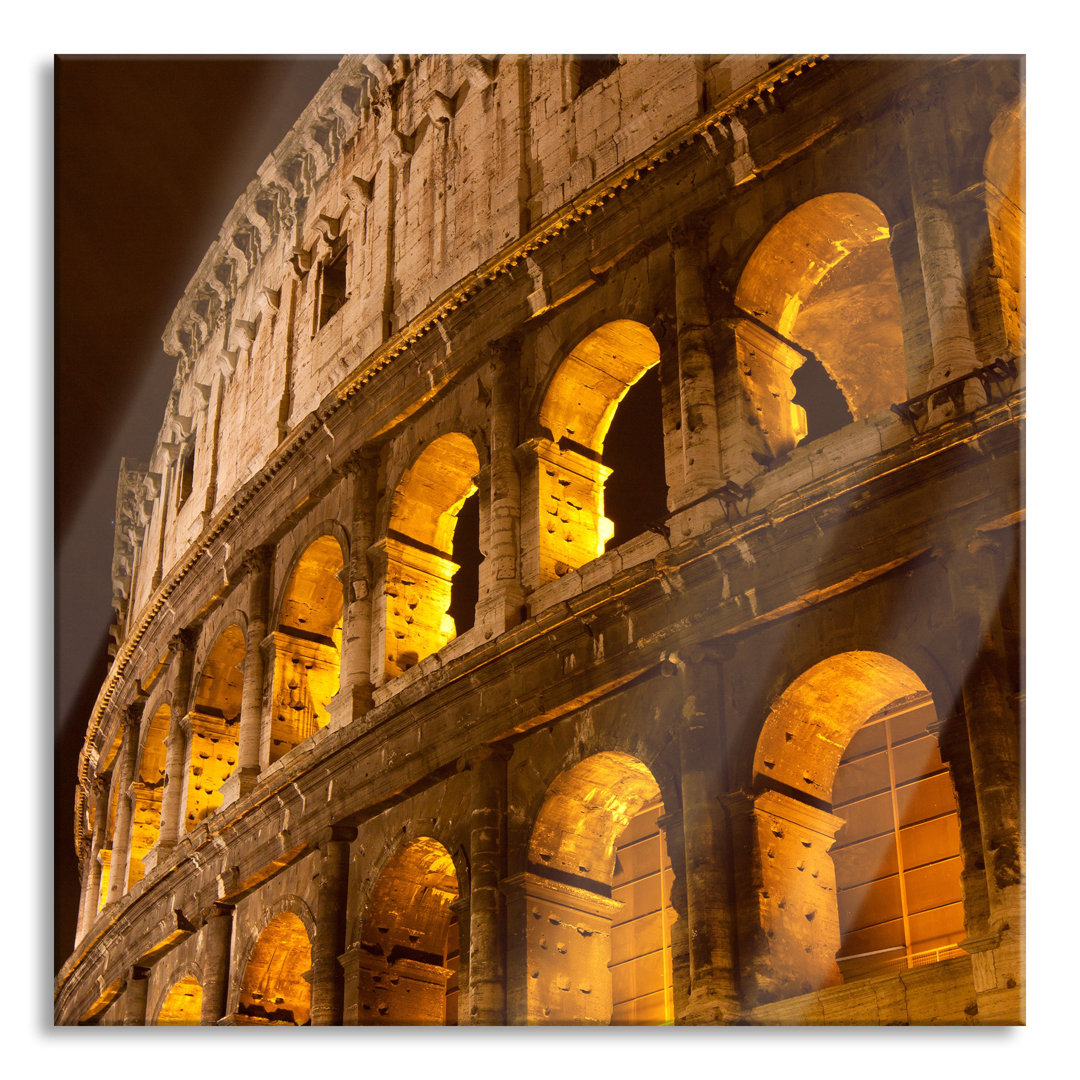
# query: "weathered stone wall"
520,245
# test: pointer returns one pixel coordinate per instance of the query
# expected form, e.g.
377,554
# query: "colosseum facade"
577,579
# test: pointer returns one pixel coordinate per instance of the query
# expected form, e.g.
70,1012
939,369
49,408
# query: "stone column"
92,885
460,908
501,601
172,797
135,997
487,868
954,746
699,457
560,952
217,943
353,698
268,652
988,689
257,565
789,927
121,844
327,974
709,898
926,145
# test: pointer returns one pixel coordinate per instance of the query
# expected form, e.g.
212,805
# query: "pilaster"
216,948
944,284
327,974
122,827
487,868
353,698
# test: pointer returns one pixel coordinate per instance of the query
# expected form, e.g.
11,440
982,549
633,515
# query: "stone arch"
181,1004
213,744
576,414
418,549
274,988
851,791
595,899
1004,169
306,642
147,789
406,966
819,295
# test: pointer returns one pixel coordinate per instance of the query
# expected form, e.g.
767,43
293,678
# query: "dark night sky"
150,155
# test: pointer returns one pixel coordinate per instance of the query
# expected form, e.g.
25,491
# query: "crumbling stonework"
426,708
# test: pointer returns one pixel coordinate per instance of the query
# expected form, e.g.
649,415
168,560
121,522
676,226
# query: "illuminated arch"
307,646
274,989
215,725
409,942
147,789
419,547
182,1006
576,414
820,290
845,751
597,899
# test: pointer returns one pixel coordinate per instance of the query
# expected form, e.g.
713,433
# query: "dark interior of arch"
465,588
822,400
635,495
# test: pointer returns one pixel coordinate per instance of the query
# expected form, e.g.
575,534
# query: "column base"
158,854
349,704
239,784
497,614
696,518
707,1007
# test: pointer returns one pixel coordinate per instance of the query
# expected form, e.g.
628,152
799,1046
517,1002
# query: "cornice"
694,564
350,72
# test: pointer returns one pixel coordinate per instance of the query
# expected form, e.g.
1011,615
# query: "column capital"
131,717
335,834
257,559
183,641
480,754
186,723
688,233
218,910
366,459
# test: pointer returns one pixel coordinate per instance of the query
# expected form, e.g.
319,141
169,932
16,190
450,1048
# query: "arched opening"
635,493
182,1006
597,899
307,647
425,556
820,341
846,752
575,463
409,945
147,790
274,990
465,588
215,725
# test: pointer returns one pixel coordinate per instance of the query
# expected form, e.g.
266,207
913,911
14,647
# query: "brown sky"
150,155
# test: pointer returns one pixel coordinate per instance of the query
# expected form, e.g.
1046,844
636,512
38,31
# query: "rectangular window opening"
332,285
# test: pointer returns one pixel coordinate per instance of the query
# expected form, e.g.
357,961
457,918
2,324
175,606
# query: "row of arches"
853,830
817,342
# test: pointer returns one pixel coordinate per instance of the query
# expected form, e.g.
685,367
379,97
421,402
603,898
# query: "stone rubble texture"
311,792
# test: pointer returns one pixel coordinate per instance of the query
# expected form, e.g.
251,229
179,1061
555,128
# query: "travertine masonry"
571,463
